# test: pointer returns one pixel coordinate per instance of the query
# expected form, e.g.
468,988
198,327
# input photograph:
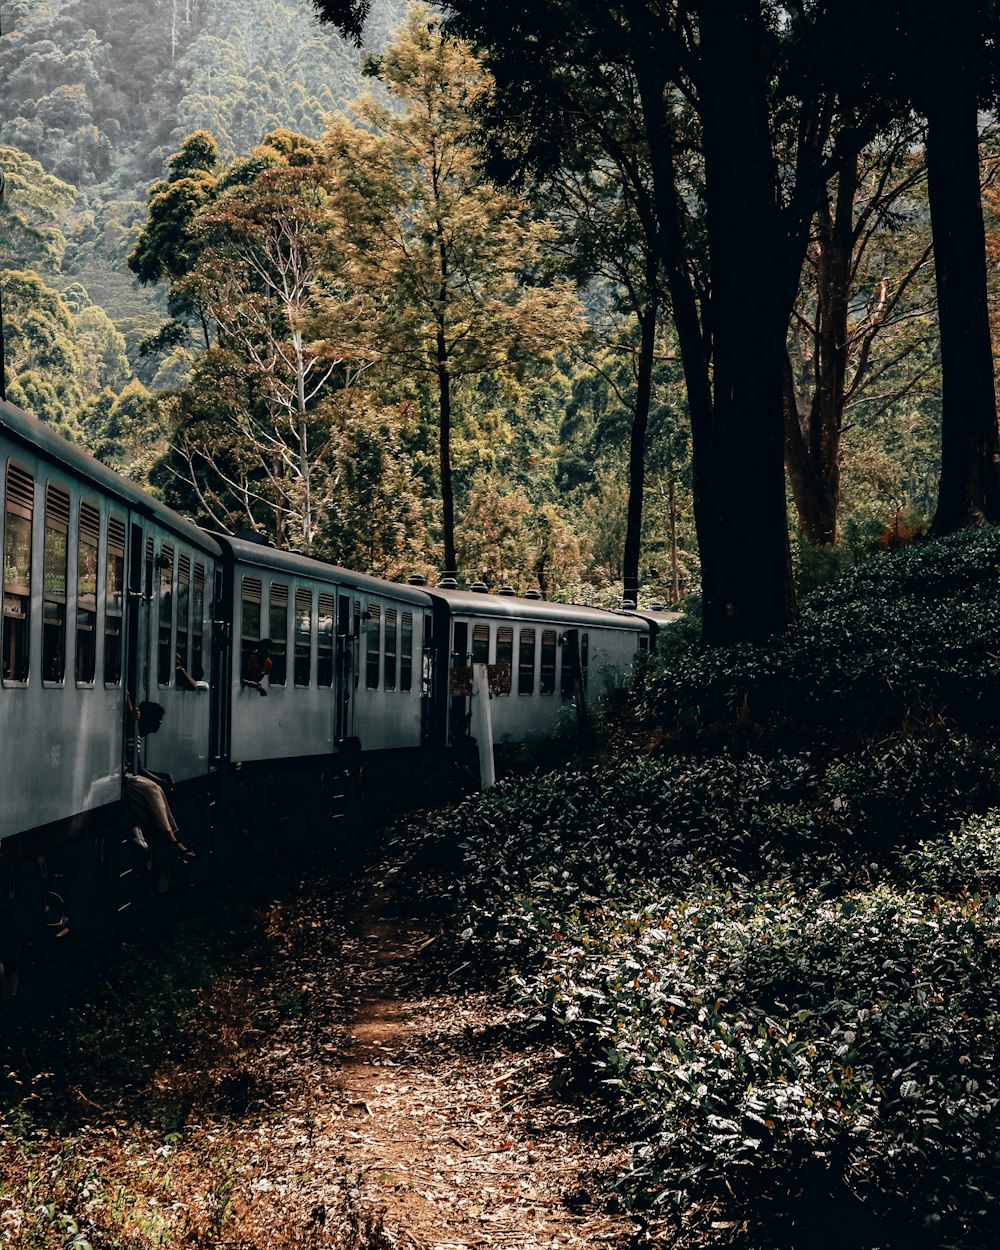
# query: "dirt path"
332,1090
429,1103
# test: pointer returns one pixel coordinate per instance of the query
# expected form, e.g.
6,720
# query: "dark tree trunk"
969,491
444,460
813,478
743,527
637,448
813,428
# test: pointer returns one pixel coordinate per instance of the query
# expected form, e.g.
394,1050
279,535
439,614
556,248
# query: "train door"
427,681
344,721
222,629
458,717
138,627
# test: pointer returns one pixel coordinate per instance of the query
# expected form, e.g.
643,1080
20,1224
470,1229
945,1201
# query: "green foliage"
857,662
33,213
778,970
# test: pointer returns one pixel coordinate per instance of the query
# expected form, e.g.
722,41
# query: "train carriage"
546,656
102,588
110,598
346,658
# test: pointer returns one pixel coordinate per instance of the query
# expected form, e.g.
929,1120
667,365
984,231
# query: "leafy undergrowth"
779,964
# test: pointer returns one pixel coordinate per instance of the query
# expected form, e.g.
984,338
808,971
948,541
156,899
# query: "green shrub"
967,860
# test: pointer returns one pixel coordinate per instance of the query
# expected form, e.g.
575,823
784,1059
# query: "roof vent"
480,588
447,583
416,579
628,605
507,591
532,594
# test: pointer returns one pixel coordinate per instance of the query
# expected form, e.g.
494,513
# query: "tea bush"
775,946
749,1034
908,634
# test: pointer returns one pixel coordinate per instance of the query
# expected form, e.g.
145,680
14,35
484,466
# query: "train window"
406,653
391,646
197,669
505,648
114,599
584,659
165,653
356,644
480,644
460,655
570,662
184,609
303,636
54,574
324,642
547,675
372,649
86,593
427,656
249,621
643,643
278,627
19,511
526,662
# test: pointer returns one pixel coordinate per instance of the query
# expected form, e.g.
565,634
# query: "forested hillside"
533,410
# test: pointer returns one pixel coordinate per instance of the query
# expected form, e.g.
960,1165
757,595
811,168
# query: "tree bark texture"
637,453
969,490
740,487
813,428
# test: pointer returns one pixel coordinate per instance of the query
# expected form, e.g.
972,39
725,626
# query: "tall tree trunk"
743,527
969,491
675,571
637,445
444,457
813,424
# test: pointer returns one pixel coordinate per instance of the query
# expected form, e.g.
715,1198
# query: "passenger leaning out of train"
257,667
144,789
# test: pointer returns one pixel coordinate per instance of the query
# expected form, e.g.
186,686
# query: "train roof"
264,556
42,439
662,616
481,603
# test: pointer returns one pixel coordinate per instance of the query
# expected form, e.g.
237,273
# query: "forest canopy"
595,306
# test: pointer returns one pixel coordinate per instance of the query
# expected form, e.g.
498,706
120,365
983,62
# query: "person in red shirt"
257,666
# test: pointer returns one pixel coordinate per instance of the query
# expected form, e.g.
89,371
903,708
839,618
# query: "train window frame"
548,662
390,649
55,593
505,650
87,577
277,616
406,652
526,648
166,607
303,636
19,502
325,612
182,644
251,595
114,600
480,635
584,659
197,669
373,646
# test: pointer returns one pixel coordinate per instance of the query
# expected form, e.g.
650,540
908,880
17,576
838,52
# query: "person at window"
145,790
257,667
184,679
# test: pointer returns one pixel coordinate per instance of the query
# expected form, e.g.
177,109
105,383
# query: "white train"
105,591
